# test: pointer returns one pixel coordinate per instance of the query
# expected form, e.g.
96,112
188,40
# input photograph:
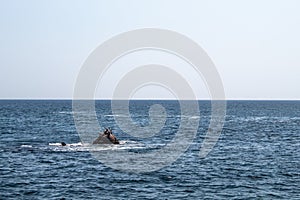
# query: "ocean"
257,155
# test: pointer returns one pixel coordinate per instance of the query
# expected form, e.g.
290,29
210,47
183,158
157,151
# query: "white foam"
55,144
124,145
70,145
26,146
194,117
65,112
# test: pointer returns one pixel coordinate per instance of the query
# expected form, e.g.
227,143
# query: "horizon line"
163,99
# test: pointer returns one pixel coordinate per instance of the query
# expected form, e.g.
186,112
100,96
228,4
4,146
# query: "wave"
65,112
124,145
261,118
194,117
70,145
26,146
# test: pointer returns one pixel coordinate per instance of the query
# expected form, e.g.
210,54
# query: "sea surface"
256,157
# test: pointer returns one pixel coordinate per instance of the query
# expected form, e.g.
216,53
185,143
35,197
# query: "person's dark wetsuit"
106,132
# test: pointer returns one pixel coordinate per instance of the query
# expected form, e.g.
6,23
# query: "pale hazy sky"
254,44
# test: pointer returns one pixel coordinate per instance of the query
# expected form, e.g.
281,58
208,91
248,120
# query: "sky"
254,44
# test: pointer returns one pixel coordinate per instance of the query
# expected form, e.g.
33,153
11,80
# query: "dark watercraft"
107,137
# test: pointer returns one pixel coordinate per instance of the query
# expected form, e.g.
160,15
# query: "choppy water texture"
257,155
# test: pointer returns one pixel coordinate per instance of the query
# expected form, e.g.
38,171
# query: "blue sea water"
257,155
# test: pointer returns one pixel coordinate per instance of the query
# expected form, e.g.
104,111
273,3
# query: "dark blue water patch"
257,155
